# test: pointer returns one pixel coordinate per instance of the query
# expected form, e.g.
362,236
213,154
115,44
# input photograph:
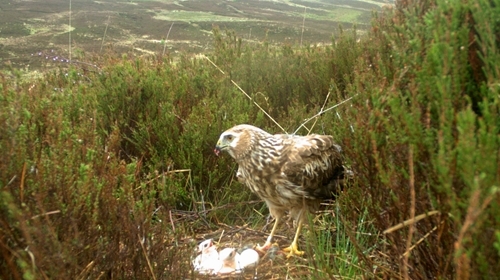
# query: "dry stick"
166,39
14,253
473,212
412,211
32,257
303,23
146,256
410,221
11,180
189,181
171,220
321,112
104,36
100,275
85,270
269,116
229,205
203,202
21,186
421,240
69,31
248,96
46,214
220,237
168,172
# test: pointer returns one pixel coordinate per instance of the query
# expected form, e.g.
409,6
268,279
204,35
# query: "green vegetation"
344,15
109,173
195,16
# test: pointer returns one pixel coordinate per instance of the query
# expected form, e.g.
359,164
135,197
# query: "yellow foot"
293,250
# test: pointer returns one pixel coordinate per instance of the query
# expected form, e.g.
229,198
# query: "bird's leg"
268,243
293,249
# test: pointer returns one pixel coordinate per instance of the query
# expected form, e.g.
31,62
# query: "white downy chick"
208,259
247,258
228,258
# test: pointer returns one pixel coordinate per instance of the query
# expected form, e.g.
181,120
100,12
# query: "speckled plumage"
285,171
290,173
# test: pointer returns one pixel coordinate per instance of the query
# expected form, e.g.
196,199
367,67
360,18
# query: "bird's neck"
245,149
243,154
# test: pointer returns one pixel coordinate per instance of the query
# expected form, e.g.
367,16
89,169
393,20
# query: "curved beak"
218,148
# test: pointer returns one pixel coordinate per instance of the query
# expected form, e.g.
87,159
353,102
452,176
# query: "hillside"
30,31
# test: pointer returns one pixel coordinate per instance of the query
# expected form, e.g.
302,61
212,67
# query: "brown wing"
313,164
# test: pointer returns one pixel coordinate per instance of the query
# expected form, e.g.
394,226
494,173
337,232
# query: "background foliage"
97,166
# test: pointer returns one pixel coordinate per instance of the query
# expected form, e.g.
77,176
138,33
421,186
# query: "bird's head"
205,246
228,257
237,141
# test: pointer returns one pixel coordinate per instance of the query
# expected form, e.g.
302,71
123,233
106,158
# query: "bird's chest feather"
267,181
259,176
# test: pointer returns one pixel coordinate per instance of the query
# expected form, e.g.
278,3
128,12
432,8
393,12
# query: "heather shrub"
426,125
111,174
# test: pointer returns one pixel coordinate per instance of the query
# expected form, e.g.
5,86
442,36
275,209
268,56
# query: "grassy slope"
42,27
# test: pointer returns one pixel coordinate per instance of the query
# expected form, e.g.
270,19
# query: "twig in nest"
220,237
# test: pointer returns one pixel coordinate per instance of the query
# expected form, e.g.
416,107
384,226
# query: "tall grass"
111,175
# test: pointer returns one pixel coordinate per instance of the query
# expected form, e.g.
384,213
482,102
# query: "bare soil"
35,32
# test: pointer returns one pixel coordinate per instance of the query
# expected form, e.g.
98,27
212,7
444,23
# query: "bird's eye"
230,137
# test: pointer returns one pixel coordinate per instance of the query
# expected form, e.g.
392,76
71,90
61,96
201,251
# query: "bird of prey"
290,173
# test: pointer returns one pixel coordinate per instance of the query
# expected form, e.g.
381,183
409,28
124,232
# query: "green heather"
109,172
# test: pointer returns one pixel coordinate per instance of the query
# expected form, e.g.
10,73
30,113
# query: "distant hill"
33,33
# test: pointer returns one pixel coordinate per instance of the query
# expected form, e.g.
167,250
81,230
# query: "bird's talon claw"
293,251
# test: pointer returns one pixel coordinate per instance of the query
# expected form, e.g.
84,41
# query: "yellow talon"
293,250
